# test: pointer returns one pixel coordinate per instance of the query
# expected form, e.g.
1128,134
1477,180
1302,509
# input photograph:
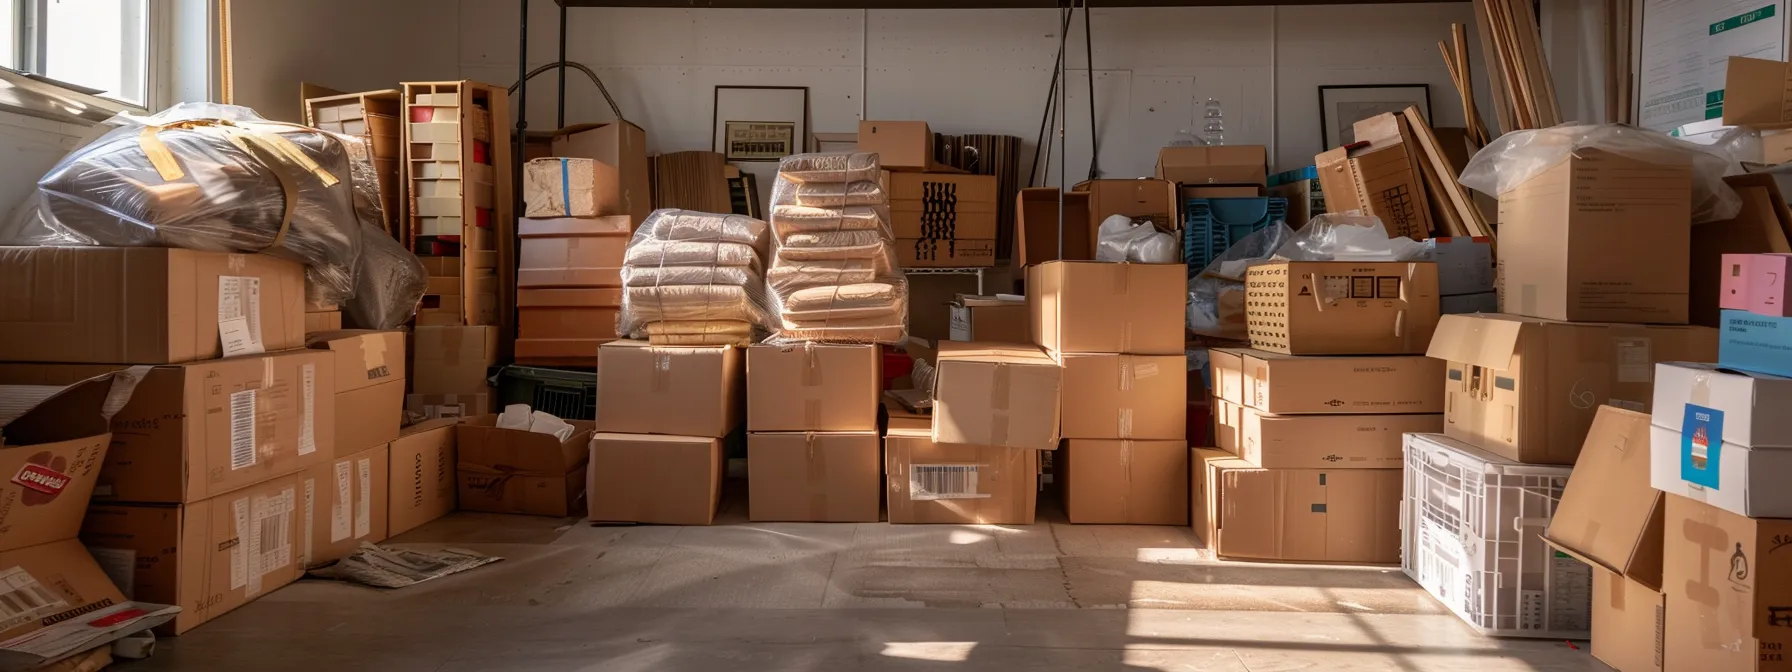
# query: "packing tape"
1126,492
661,376
1123,424
566,186
1126,373
373,354
811,365
817,484
235,262
1318,291
1122,278
1000,382
451,343
1701,389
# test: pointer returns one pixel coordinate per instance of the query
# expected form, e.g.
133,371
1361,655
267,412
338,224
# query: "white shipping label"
239,554
23,599
364,505
339,509
943,481
120,565
1143,371
308,406
239,315
258,513
281,554
1633,360
242,429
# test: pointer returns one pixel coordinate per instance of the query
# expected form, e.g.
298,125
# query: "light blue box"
1755,342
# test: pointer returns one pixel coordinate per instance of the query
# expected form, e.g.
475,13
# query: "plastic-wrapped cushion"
691,302
834,245
833,270
1516,157
859,295
720,338
689,269
883,314
1118,239
686,225
841,334
788,219
829,194
654,276
647,253
857,167
686,327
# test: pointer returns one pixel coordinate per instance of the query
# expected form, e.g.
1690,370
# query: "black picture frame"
719,122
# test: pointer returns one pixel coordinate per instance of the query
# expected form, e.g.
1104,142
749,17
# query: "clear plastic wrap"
1216,294
694,278
214,177
389,285
1350,236
833,274
1119,239
1521,155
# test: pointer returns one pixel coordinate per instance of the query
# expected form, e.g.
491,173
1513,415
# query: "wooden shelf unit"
375,117
460,199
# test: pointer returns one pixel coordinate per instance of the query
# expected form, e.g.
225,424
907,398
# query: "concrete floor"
830,597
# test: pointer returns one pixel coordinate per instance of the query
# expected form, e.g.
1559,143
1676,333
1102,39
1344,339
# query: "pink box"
1733,288
1766,275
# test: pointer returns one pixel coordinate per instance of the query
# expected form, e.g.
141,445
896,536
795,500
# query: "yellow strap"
158,154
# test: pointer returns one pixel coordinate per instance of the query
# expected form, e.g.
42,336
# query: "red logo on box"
42,478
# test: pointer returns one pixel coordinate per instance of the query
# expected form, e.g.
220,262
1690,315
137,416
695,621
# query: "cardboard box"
1228,422
516,471
1036,226
1754,92
941,206
655,479
202,429
949,483
1288,384
900,145
421,476
325,321
569,314
368,417
1756,343
567,187
1629,623
572,252
1330,441
963,252
1341,307
344,504
994,394
1527,389
1296,515
1382,181
1219,191
1599,237
620,146
208,557
1776,146
813,388
1722,438
1140,198
1228,164
819,477
433,406
991,319
53,448
1086,306
370,376
559,352
1124,482
1756,283
1725,590
453,359
1124,396
60,603
146,305
688,391
1464,264
1609,516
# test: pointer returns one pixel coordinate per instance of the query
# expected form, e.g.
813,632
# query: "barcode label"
943,481
339,521
242,429
239,315
23,599
270,537
307,430
364,507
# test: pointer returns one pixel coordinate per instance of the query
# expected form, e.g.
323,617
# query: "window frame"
155,57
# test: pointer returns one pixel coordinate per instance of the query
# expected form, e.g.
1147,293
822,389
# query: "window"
102,45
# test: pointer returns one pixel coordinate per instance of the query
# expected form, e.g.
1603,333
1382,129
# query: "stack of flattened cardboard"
664,415
812,449
693,180
1400,171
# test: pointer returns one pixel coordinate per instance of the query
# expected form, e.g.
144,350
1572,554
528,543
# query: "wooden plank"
1459,47
1544,83
1468,216
1502,104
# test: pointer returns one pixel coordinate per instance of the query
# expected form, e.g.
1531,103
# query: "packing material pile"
695,278
833,275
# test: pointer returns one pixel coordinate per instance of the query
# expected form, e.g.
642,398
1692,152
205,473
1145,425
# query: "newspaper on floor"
81,633
385,567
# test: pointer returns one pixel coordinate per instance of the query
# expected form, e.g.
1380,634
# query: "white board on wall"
1683,50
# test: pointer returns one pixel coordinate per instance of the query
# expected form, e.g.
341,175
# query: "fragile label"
242,429
1633,360
239,315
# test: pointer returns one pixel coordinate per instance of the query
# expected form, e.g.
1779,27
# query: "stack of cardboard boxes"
812,443
995,407
663,414
345,496
941,216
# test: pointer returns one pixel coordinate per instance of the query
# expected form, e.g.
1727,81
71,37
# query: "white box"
1735,396
1471,533
1733,477
1723,438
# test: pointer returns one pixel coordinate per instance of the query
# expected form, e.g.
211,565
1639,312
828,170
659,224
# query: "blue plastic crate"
1210,225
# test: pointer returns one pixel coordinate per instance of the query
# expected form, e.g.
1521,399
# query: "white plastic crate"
1471,526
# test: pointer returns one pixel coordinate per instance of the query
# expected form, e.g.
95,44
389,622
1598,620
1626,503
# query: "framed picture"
760,123
1344,105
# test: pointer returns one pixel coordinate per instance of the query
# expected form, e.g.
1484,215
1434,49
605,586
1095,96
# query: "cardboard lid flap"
36,414
1755,91
1481,342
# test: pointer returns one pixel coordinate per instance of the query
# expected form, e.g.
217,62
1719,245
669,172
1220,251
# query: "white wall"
982,71
31,146
348,45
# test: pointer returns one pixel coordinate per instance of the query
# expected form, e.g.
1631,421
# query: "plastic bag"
1216,294
213,177
1521,155
1119,239
695,278
389,285
1350,236
833,272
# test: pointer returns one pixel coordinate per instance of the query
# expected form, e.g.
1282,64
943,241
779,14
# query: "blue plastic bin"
1210,225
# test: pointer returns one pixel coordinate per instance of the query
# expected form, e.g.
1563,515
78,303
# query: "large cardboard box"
1599,237
1341,307
655,479
344,504
1757,343
1086,306
370,381
1754,92
619,146
569,187
1723,438
1287,384
572,251
1629,623
1142,198
818,477
1124,396
1297,515
991,319
954,483
586,316
60,602
324,321
813,387
1330,441
1757,283
146,305
1383,181
453,360
1036,239
1726,589
1228,426
1227,164
207,557
53,443
943,219
516,471
900,145
1609,516
995,394
687,391
421,472
1527,389
1124,482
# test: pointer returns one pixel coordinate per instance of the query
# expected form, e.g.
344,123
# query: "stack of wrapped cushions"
833,275
695,278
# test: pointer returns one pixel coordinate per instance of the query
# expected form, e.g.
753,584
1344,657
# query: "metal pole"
1063,112
560,118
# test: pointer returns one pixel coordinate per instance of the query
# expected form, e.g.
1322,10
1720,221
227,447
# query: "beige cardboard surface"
452,360
1288,384
343,504
570,187
688,391
814,477
433,406
1135,309
1341,307
1330,441
1629,623
324,321
1755,92
141,305
989,319
1609,516
1527,389
620,145
368,416
938,206
953,483
1308,515
363,357
1228,422
1141,198
900,145
813,388
655,479
996,394
53,444
1381,180
61,576
1124,482
1226,164
1036,226
421,472
1124,396
572,252
1726,589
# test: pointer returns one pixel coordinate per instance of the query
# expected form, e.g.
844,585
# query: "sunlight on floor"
945,652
